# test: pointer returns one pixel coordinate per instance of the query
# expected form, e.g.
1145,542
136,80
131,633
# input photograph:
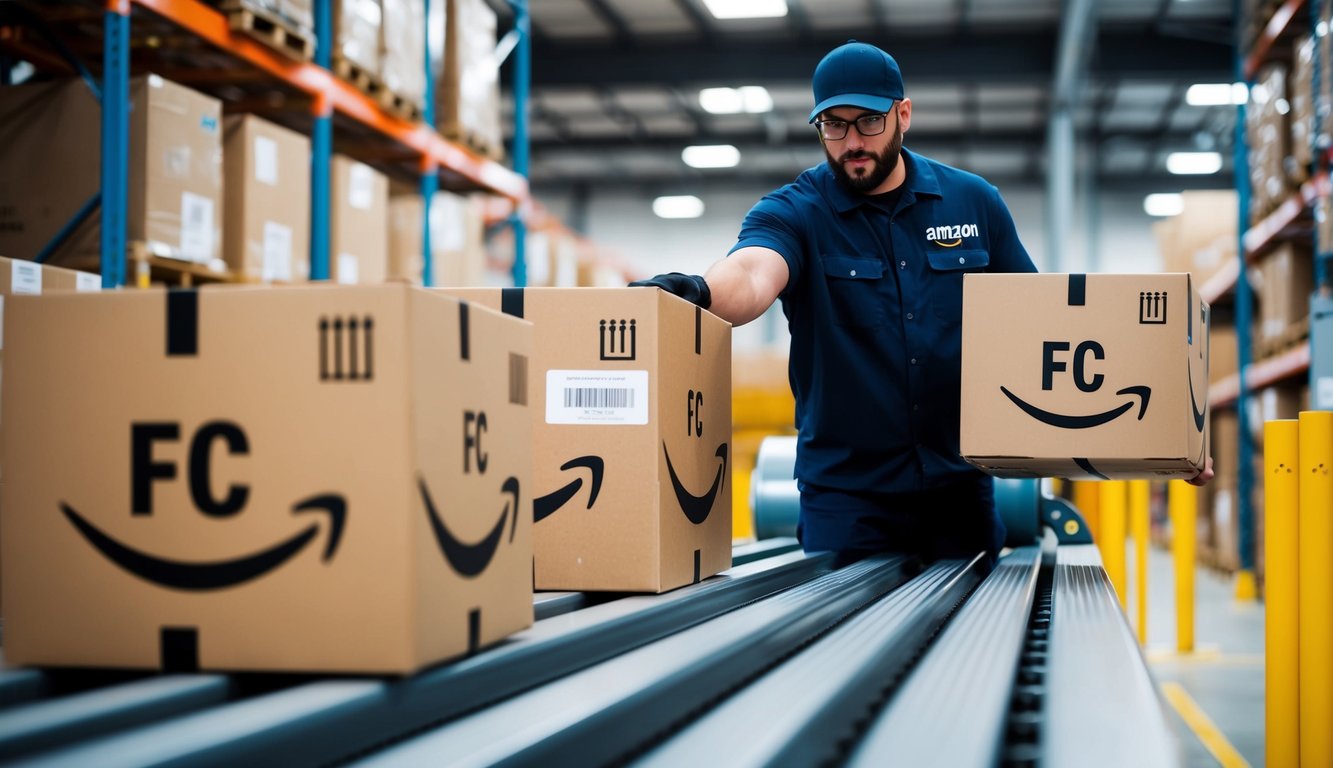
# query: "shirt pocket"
854,290
946,272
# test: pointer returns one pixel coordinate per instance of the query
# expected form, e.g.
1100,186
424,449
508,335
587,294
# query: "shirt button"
962,260
853,273
914,361
909,315
902,265
916,407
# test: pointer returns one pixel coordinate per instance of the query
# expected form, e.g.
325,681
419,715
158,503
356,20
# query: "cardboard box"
359,243
266,235
1284,294
1097,376
404,49
1223,352
468,94
341,497
1202,238
356,33
631,396
457,239
51,152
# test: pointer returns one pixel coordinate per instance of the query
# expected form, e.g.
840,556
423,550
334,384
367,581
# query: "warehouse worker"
867,254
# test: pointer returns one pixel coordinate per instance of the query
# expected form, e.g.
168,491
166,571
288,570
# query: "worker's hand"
1204,475
691,288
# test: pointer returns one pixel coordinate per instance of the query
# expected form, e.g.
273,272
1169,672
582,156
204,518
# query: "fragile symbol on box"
359,348
1152,308
613,342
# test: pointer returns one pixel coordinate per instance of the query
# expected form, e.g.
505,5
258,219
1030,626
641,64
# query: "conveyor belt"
951,710
327,720
780,661
808,705
1102,707
605,713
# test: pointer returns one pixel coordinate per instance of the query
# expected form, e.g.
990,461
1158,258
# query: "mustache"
856,154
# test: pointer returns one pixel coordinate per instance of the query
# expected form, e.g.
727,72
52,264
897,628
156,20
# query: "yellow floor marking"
1203,727
1205,655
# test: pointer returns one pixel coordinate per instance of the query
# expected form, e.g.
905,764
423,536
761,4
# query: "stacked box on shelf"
467,95
299,12
357,26
266,236
359,222
50,150
1287,280
457,252
403,66
1268,136
1202,238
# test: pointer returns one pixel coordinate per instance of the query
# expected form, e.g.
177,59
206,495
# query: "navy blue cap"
857,75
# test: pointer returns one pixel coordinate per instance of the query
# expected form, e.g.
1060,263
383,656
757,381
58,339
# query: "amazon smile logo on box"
1096,376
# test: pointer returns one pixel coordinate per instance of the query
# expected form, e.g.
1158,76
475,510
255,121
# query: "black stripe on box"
1078,290
696,566
473,631
511,301
463,352
182,322
698,330
180,649
1086,466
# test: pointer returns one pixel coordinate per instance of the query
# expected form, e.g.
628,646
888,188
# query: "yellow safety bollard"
1139,494
1112,540
1281,541
1315,590
1183,503
1087,500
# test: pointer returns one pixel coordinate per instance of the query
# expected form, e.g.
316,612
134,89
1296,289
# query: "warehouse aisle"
1220,687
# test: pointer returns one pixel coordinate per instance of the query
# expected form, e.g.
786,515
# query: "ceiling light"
1163,204
746,9
1182,163
756,99
730,101
678,207
711,156
1216,94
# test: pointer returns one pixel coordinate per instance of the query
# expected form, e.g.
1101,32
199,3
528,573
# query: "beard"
868,178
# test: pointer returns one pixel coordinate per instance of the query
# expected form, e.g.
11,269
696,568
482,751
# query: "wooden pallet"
143,269
400,106
474,142
269,28
360,78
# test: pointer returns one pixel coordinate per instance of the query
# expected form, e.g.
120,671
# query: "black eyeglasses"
866,125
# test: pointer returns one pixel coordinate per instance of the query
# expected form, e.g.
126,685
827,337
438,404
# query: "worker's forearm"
743,290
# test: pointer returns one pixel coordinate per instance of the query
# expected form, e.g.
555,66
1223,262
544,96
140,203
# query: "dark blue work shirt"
874,305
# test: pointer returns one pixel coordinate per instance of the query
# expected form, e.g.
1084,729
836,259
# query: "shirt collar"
920,180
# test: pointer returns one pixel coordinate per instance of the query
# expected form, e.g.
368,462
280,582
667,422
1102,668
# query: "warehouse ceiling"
615,87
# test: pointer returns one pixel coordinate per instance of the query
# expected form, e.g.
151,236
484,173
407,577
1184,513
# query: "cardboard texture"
19,277
404,47
266,232
356,33
632,408
468,94
1284,293
188,498
51,152
358,251
1097,376
1202,238
456,240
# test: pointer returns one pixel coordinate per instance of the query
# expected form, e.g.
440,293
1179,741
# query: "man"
872,289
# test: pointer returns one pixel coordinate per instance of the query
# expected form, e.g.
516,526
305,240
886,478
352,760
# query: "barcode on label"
598,397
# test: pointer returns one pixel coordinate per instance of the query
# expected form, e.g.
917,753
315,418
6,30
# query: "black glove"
691,288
